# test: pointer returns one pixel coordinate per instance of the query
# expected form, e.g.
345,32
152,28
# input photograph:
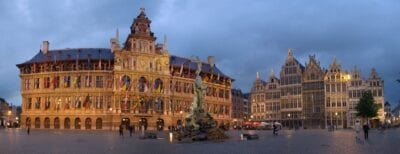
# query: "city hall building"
138,83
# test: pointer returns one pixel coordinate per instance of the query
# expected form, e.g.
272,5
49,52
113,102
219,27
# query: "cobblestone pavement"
288,141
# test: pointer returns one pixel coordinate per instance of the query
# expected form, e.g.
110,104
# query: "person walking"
274,129
28,130
121,131
130,130
366,129
357,127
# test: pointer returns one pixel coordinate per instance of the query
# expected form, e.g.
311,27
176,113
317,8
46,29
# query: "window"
333,89
99,102
47,103
36,83
56,82
29,103
27,84
67,81
88,81
99,82
37,103
47,82
328,88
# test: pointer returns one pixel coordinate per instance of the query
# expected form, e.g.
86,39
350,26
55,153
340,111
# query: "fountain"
199,124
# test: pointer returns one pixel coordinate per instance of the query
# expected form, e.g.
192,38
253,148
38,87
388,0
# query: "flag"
159,88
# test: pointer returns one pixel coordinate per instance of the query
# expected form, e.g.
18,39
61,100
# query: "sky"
244,36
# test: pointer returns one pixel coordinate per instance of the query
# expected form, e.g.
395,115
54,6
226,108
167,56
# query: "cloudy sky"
244,36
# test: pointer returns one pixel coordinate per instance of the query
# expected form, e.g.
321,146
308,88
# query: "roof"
71,54
187,63
106,54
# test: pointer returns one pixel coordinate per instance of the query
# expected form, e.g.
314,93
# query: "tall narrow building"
290,86
375,86
313,94
272,99
336,96
356,87
258,99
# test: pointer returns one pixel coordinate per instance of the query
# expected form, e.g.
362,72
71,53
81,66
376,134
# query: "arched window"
57,123
37,122
77,123
143,87
28,122
125,83
67,123
99,123
159,106
88,123
158,85
47,122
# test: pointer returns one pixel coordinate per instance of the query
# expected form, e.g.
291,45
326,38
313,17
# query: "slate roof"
187,63
72,55
106,54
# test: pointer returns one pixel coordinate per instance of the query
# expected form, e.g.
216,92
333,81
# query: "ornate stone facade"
137,84
313,97
313,94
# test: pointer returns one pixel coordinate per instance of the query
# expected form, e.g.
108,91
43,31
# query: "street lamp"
9,116
288,115
336,119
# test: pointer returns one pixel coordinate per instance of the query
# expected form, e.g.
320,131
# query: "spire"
290,53
165,43
257,75
117,36
272,73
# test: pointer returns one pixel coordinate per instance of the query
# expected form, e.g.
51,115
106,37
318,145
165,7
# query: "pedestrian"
28,130
275,129
133,128
121,131
130,131
357,127
366,129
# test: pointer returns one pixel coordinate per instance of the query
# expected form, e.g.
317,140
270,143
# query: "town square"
172,76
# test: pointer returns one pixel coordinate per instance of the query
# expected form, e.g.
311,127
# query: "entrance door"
160,124
143,122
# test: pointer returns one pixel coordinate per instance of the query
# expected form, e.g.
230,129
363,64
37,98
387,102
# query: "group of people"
130,128
365,128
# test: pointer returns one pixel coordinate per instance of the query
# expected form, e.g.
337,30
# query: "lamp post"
336,119
9,117
180,113
288,115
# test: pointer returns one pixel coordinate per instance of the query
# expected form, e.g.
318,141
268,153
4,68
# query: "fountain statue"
199,124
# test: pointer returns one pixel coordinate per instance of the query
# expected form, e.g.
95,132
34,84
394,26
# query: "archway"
28,122
158,85
99,123
46,122
77,123
57,123
143,123
143,87
88,123
37,122
160,124
125,83
67,123
125,122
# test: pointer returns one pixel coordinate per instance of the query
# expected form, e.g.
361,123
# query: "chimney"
211,61
45,47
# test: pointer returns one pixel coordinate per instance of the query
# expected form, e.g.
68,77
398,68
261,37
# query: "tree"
367,108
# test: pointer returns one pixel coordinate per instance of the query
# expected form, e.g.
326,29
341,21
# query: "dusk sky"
245,36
